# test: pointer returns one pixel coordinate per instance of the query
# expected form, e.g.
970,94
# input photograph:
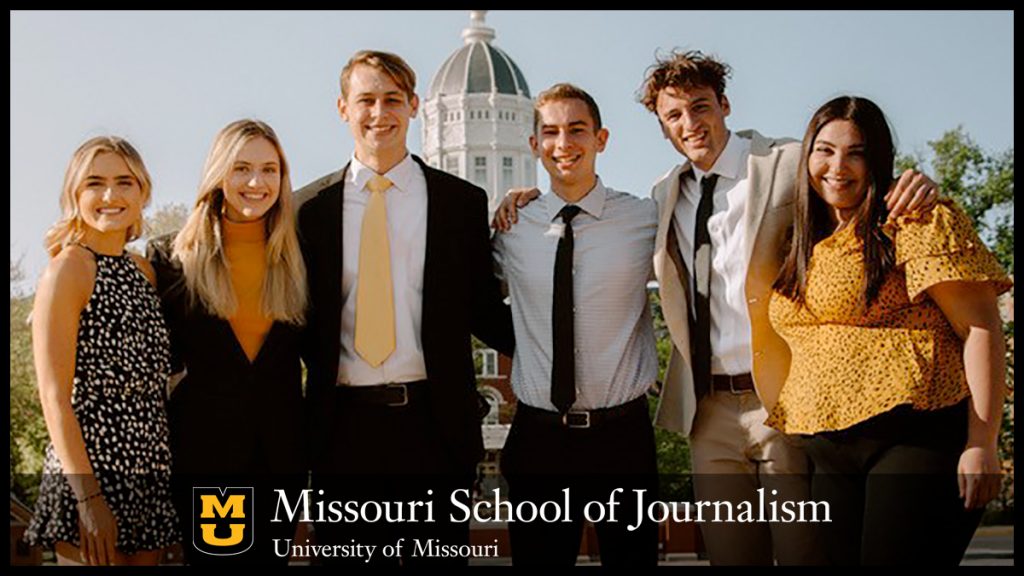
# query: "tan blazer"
772,172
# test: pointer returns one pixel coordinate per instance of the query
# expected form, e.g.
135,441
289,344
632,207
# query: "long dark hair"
812,223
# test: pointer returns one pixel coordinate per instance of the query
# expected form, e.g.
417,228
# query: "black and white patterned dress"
118,396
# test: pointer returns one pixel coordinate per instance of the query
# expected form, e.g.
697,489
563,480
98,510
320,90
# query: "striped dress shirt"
616,359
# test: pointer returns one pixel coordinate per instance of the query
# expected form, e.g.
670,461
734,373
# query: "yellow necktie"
375,310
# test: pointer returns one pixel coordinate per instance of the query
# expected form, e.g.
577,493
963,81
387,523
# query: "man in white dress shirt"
400,275
577,265
724,214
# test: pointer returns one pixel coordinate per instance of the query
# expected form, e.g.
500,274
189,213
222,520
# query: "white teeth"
110,210
253,196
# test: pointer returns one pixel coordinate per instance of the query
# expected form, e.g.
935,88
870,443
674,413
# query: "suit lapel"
762,171
331,257
432,274
335,208
671,270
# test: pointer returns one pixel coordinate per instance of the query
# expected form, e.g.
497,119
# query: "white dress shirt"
730,321
406,202
616,358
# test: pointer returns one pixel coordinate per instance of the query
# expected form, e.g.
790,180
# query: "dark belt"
394,395
581,418
737,383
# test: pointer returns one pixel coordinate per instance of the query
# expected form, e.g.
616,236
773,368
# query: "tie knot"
707,184
378,184
568,212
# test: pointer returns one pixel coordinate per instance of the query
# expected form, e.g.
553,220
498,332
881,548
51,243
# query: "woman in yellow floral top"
897,368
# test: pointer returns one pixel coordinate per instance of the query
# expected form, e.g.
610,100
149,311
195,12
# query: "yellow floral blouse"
850,364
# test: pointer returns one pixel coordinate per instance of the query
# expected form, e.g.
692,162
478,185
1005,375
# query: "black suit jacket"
461,296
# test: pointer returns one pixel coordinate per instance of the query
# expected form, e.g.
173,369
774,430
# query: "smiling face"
253,183
109,196
838,169
378,112
567,143
693,119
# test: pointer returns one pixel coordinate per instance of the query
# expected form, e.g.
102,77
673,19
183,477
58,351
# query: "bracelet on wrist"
90,497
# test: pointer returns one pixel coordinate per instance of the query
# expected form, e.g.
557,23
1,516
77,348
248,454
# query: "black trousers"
390,454
215,445
542,457
891,483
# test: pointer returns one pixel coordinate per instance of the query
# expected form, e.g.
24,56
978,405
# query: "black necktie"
702,288
563,369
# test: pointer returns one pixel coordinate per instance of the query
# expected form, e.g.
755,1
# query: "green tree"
672,449
164,220
27,428
981,183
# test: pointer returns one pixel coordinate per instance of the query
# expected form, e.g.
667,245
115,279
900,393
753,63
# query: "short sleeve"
941,246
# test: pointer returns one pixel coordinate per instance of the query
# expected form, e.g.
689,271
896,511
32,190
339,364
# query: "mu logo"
222,520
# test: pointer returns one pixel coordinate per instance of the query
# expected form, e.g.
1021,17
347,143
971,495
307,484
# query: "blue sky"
168,81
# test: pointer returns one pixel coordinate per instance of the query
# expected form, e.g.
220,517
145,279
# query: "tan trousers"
734,454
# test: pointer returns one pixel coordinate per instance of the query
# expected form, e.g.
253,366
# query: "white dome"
478,67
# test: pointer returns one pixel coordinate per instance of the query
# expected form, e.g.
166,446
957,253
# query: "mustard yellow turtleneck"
245,245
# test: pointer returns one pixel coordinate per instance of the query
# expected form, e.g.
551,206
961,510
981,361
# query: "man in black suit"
400,275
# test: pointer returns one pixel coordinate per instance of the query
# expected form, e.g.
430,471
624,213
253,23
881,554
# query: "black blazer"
461,296
228,415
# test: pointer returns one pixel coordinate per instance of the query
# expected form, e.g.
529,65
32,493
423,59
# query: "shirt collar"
592,203
730,161
401,174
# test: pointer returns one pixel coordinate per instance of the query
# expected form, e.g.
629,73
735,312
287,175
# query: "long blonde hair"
70,228
199,245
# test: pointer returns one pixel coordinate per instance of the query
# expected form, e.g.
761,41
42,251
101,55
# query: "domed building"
478,115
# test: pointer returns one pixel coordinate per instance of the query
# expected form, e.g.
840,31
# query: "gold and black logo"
222,520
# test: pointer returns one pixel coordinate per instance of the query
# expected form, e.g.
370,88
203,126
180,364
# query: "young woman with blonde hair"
102,361
233,288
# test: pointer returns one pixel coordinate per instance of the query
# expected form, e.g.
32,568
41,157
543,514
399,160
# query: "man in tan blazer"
728,207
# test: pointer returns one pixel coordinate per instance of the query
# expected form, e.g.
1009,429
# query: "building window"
480,170
527,166
488,363
451,165
506,174
487,114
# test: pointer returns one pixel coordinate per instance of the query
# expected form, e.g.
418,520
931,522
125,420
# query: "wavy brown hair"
812,222
682,70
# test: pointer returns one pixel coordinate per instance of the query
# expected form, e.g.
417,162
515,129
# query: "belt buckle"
405,395
572,424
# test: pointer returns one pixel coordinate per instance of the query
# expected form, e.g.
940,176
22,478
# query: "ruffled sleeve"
940,246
